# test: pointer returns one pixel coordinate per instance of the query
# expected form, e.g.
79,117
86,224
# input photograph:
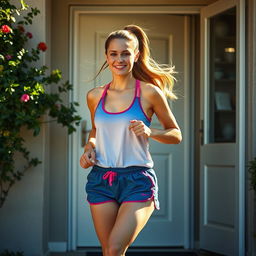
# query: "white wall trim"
136,9
72,149
75,11
57,247
188,143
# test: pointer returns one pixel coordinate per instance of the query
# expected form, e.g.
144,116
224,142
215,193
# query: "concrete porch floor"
85,251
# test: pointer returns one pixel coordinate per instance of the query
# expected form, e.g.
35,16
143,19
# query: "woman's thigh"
104,216
131,218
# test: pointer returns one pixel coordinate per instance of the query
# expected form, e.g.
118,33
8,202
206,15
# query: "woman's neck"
122,82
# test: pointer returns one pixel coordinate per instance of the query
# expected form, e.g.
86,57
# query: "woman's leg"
130,220
104,217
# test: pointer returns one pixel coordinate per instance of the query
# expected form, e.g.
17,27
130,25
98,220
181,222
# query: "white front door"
222,115
166,33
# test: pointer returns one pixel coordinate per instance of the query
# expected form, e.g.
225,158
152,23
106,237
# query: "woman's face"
121,55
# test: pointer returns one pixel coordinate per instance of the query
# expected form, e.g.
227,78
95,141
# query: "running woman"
122,186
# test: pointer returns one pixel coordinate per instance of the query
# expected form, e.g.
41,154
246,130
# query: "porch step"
149,254
139,252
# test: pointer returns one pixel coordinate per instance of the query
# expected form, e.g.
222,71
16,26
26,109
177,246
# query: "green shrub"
23,96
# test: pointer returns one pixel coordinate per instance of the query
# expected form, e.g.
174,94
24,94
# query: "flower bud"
24,98
8,56
29,35
21,29
42,46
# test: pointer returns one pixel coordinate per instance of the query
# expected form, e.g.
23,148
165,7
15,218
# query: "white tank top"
116,145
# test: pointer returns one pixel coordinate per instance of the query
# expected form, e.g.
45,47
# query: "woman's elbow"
177,138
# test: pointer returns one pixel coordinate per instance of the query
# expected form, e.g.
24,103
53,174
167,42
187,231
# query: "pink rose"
29,35
6,29
24,98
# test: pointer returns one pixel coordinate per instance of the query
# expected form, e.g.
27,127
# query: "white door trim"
240,115
240,155
75,11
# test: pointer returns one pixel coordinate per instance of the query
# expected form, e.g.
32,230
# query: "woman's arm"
89,158
170,134
91,139
157,103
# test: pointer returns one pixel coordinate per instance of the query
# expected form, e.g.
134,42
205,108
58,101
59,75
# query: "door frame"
241,108
188,141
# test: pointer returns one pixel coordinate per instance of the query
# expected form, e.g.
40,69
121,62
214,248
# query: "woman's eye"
123,54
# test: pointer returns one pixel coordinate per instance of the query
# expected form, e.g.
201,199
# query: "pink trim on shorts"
150,198
101,202
152,186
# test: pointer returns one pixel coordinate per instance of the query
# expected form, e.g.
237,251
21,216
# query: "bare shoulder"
94,95
151,92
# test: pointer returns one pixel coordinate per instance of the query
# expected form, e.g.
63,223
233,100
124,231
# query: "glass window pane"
222,77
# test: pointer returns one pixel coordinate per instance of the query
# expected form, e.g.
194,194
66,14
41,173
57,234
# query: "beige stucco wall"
24,217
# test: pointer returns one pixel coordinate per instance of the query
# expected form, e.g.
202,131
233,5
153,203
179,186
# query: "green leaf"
15,85
26,88
24,6
12,63
39,87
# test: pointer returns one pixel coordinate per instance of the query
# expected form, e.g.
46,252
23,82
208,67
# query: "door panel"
168,223
221,179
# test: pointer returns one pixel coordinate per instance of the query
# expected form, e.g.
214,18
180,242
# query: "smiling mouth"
119,67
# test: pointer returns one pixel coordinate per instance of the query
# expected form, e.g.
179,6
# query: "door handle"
84,132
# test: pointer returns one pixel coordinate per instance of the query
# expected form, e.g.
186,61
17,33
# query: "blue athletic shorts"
129,184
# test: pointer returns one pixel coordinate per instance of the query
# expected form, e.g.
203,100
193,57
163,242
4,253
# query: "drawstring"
110,176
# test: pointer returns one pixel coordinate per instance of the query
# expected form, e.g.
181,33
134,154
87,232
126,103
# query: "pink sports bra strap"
138,88
105,90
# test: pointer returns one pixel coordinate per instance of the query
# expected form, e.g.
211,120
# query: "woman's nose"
119,58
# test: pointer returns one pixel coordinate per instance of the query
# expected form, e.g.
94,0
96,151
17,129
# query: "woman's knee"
105,251
115,249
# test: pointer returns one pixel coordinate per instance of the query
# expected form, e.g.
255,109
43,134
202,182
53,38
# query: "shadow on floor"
132,252
150,254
